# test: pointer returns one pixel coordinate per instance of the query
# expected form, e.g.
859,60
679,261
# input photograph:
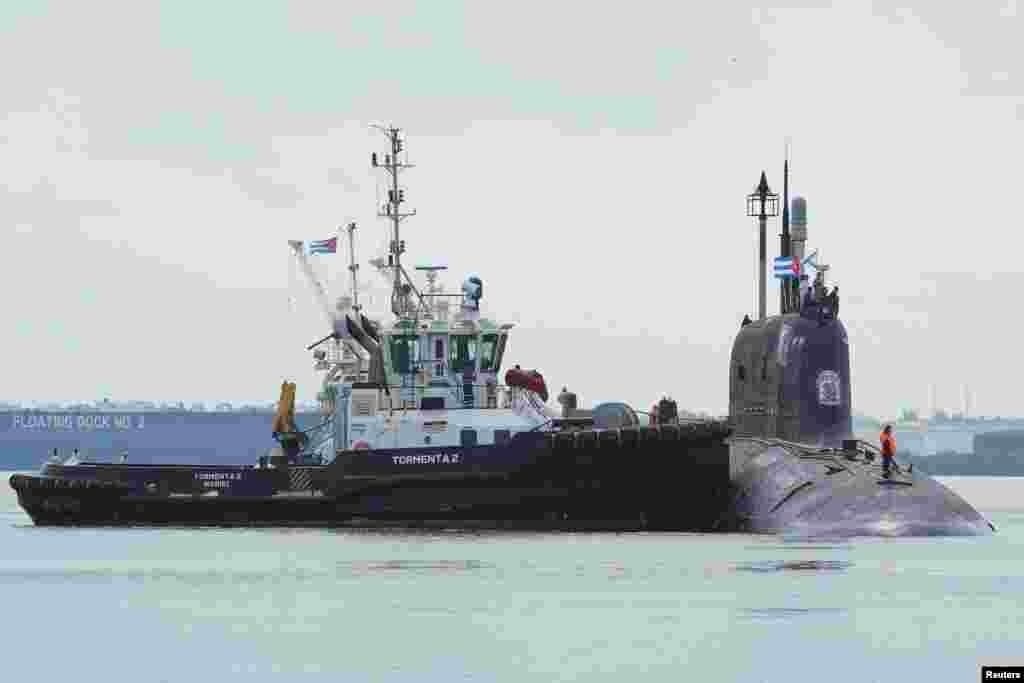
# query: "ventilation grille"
299,478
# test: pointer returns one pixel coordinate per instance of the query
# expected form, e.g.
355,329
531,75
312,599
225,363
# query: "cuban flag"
787,267
324,246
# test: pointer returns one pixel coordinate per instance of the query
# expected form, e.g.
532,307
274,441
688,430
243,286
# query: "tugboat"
418,431
795,466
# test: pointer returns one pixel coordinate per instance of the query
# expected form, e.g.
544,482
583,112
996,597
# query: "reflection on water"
412,566
786,613
796,566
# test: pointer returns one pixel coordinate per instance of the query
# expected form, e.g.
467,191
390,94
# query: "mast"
352,265
786,285
762,204
400,304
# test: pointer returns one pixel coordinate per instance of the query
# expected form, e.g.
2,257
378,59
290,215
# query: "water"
260,605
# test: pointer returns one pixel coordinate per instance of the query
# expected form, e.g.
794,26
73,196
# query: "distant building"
1007,443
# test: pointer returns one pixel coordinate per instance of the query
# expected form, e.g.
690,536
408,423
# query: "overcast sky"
589,161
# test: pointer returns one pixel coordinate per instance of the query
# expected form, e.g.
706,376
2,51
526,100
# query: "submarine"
795,466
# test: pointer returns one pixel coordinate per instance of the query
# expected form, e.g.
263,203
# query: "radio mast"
401,304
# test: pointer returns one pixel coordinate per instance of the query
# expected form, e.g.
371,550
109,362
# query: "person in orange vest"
888,450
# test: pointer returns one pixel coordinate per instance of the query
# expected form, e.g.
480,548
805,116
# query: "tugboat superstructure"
431,377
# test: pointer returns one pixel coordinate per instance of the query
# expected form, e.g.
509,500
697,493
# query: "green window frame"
488,352
462,351
403,353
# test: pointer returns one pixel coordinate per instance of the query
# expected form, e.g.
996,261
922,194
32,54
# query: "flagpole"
785,287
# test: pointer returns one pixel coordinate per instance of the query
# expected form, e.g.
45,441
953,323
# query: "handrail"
458,385
870,445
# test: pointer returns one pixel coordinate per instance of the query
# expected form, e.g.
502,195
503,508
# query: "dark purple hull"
672,478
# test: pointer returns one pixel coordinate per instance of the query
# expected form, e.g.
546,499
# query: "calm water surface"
215,605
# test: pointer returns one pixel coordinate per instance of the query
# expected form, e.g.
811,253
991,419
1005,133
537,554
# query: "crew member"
819,288
834,300
803,287
808,297
888,450
654,414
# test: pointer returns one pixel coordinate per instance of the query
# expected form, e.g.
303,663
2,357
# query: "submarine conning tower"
789,378
789,374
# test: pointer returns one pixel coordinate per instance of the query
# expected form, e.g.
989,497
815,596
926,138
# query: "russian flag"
324,246
786,267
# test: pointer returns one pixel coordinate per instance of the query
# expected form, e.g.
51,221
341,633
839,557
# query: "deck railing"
480,396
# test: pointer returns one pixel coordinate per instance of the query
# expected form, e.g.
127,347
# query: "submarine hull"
805,491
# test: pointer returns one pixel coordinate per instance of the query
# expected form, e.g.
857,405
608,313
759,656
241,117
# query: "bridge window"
501,351
403,353
462,352
467,437
439,349
488,352
741,373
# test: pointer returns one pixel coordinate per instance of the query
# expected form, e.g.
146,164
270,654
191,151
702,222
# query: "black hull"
325,513
669,479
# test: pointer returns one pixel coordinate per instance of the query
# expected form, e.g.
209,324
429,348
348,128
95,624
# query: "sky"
589,161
